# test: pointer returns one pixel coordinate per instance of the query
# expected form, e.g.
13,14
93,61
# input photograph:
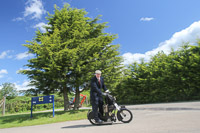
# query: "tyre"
124,115
90,116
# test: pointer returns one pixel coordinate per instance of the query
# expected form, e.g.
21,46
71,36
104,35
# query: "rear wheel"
124,115
90,116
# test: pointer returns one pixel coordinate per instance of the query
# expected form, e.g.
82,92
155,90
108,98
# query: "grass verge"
41,118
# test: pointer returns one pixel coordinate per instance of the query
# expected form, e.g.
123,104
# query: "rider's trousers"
97,107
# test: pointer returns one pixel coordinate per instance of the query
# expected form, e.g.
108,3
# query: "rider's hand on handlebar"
107,91
104,94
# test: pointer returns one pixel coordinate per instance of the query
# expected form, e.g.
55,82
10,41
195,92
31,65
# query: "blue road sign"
42,100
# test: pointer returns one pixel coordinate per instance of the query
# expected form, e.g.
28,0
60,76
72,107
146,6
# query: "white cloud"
130,58
41,26
4,54
190,34
23,55
146,19
3,72
34,9
18,19
23,86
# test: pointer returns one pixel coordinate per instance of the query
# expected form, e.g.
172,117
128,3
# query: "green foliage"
166,78
67,55
20,120
21,104
9,90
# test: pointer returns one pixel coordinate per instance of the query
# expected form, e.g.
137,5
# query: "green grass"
20,120
28,111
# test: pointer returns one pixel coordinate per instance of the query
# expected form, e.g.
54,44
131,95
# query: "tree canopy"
165,78
69,52
9,90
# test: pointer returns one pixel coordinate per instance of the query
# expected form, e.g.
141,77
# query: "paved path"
148,118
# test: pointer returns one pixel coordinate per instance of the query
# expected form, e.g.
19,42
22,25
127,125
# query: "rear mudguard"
90,115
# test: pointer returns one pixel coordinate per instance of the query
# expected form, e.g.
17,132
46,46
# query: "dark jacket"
95,92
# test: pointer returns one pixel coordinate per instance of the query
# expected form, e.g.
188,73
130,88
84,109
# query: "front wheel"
124,115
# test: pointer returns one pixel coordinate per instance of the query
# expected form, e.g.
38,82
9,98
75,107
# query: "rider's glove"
107,91
104,94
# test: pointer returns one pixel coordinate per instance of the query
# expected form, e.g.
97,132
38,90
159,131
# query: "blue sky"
144,27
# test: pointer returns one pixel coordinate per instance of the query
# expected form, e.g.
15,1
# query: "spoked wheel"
124,115
92,121
90,116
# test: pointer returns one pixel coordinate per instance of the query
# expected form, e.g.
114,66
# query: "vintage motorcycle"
109,112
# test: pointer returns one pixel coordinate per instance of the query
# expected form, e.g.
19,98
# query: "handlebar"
105,93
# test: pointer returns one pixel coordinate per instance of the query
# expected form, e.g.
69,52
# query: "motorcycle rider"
97,83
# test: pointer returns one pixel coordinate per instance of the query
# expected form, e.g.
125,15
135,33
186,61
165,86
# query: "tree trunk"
77,98
66,99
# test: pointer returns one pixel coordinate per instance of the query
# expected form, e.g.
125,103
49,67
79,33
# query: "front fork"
117,106
119,113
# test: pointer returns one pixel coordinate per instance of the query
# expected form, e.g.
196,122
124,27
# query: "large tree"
69,52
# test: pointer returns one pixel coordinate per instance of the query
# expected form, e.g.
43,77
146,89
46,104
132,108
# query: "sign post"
42,100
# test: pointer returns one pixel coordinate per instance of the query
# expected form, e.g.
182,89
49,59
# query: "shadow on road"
79,126
87,125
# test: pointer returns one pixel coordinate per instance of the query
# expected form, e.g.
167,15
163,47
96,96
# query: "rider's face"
98,75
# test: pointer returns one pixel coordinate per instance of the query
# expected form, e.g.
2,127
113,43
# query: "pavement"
183,117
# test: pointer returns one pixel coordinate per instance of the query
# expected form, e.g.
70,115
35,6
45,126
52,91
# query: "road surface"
147,118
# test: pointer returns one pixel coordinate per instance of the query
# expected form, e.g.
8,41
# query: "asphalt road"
148,118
